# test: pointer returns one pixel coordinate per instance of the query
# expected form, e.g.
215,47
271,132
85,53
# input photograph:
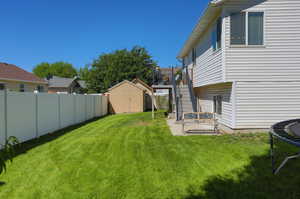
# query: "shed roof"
137,80
125,82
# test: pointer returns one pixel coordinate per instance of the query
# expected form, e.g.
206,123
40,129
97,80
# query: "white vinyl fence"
30,115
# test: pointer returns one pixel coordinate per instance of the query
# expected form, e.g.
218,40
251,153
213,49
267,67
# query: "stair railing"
191,90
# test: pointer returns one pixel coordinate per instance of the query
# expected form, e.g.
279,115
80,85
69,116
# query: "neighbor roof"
82,83
208,15
60,82
12,72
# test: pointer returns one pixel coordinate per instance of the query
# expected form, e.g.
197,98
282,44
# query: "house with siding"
16,79
243,58
66,85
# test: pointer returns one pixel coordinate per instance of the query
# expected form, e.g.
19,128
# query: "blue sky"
77,31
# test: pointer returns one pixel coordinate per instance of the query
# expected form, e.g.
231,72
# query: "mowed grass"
132,156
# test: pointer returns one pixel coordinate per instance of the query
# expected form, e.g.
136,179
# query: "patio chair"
207,122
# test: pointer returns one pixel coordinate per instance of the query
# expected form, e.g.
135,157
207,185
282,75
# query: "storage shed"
127,97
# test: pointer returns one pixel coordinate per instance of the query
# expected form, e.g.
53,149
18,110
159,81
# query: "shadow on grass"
2,183
26,146
254,181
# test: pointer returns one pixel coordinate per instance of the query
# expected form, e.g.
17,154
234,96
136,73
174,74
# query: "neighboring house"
244,61
66,85
130,97
14,78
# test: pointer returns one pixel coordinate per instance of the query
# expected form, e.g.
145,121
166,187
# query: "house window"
194,56
255,28
218,104
40,88
22,88
2,86
251,21
238,29
217,35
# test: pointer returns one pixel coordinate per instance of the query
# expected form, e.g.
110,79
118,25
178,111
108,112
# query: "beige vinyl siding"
279,59
29,87
208,68
261,104
205,100
126,98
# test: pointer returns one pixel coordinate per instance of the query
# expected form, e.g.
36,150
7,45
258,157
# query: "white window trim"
246,31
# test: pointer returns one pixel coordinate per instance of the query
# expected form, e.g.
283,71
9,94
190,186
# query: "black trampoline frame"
288,139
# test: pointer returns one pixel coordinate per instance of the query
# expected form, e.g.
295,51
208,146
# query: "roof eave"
200,28
20,80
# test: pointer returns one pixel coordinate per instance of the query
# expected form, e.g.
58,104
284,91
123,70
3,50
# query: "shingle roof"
82,83
60,82
12,72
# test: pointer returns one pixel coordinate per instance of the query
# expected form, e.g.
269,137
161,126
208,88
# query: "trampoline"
286,131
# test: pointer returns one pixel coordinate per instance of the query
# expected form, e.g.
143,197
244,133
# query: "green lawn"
131,156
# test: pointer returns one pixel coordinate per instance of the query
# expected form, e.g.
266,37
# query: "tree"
112,68
61,69
84,73
7,152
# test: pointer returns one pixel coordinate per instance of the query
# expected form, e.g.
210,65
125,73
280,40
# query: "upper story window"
217,35
2,86
22,88
183,62
247,28
194,56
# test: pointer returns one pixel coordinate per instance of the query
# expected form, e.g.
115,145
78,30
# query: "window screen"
238,29
255,28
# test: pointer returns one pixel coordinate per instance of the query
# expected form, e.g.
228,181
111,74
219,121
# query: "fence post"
85,98
5,115
75,110
59,116
36,116
94,97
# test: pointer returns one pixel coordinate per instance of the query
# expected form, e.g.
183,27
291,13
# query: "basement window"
218,104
